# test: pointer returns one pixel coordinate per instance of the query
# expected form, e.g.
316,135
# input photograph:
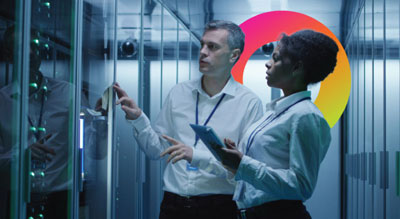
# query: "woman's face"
279,70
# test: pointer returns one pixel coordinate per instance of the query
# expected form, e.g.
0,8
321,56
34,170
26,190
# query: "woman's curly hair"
315,50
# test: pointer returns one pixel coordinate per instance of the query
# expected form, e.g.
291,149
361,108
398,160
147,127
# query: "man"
215,100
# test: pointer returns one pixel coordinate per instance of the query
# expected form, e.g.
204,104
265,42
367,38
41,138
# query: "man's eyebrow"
213,43
202,42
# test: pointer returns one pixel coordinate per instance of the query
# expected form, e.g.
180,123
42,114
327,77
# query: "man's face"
279,69
215,53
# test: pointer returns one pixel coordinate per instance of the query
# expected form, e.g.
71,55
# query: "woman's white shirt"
284,158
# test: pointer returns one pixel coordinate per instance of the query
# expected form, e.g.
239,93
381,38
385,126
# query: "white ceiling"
195,12
325,11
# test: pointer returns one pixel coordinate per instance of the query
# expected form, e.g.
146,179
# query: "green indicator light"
47,4
34,85
30,218
36,41
40,215
45,88
33,129
32,174
41,129
42,173
46,45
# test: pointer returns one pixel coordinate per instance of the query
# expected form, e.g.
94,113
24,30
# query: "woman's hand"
230,156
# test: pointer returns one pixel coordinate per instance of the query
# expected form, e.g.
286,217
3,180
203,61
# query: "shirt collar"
280,104
229,88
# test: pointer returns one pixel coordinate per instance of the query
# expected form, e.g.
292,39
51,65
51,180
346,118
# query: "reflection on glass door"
40,95
11,153
51,109
96,184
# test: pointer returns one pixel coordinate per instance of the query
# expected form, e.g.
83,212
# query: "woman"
278,162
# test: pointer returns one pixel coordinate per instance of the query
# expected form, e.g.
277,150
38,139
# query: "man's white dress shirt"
237,111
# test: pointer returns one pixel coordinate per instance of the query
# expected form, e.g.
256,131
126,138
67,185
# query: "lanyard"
209,117
266,122
37,129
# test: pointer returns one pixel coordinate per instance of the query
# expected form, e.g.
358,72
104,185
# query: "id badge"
191,168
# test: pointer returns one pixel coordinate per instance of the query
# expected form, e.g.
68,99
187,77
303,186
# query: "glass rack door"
96,144
12,149
51,108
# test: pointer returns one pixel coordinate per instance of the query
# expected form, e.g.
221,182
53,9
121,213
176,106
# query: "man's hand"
178,151
128,105
40,151
230,156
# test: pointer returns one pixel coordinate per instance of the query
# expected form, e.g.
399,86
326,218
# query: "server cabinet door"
14,69
378,107
368,73
51,108
392,106
97,148
361,114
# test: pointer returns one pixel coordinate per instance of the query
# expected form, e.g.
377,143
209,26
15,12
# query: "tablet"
209,138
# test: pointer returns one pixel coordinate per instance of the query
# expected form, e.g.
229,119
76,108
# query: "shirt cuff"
243,168
199,157
140,123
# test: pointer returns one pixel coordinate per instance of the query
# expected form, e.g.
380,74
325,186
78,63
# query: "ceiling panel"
197,14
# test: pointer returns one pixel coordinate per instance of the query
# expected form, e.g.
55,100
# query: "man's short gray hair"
235,36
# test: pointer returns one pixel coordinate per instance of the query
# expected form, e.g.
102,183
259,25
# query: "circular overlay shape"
267,27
